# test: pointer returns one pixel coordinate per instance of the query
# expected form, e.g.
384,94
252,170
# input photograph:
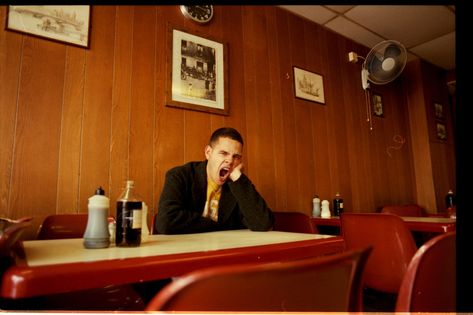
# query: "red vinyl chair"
293,222
58,226
67,225
327,283
392,242
429,284
411,210
393,248
10,234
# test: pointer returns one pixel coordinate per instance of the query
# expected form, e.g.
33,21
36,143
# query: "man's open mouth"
223,173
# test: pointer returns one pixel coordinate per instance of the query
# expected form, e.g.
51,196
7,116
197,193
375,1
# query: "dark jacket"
183,199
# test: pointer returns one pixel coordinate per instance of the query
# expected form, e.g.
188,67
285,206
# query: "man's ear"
207,151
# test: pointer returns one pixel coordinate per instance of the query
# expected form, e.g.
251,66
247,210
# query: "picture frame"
378,106
308,85
68,24
439,111
197,73
441,131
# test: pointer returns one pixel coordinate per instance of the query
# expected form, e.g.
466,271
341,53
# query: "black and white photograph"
378,109
197,76
441,131
439,115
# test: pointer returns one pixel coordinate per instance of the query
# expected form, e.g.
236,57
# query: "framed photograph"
378,109
439,114
441,131
63,23
308,85
197,73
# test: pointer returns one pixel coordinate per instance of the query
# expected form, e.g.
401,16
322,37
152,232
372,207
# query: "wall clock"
198,13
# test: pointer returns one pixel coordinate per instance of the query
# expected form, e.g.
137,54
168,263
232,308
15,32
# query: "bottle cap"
100,191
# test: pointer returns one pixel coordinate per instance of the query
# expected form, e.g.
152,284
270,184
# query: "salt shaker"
325,209
96,233
316,207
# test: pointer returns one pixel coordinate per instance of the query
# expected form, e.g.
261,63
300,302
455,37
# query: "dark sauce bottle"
129,217
450,199
337,205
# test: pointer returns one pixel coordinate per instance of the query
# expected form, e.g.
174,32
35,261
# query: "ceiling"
427,31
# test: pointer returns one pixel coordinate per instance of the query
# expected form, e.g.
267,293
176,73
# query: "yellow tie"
213,196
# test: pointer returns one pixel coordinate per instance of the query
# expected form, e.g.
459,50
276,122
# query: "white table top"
429,219
50,252
411,219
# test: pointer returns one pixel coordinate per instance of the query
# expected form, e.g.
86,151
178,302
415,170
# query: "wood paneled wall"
72,119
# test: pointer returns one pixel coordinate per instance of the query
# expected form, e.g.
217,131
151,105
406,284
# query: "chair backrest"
58,226
10,234
393,247
429,284
326,283
411,210
293,222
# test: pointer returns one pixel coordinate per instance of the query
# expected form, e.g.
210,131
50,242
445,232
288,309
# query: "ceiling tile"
315,13
438,51
409,24
353,31
340,8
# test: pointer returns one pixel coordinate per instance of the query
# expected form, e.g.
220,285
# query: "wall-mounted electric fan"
383,64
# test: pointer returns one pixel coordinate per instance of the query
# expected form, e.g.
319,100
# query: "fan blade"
374,64
392,51
379,75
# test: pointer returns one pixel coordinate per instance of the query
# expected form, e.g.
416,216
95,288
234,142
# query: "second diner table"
64,265
415,224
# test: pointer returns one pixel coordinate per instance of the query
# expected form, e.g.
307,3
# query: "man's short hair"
226,132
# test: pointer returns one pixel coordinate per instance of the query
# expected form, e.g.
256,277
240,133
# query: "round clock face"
198,13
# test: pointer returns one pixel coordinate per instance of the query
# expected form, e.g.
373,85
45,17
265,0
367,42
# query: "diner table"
64,265
415,224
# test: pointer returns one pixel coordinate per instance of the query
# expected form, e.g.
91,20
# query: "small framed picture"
378,109
62,23
441,131
308,85
439,114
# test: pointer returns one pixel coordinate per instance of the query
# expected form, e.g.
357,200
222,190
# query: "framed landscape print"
308,85
63,23
197,73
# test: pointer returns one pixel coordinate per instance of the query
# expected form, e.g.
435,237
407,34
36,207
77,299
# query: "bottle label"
128,227
137,218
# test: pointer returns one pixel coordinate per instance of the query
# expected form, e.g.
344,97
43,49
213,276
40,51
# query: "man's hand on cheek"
236,173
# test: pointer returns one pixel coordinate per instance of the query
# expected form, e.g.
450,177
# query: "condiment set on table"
131,220
324,211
